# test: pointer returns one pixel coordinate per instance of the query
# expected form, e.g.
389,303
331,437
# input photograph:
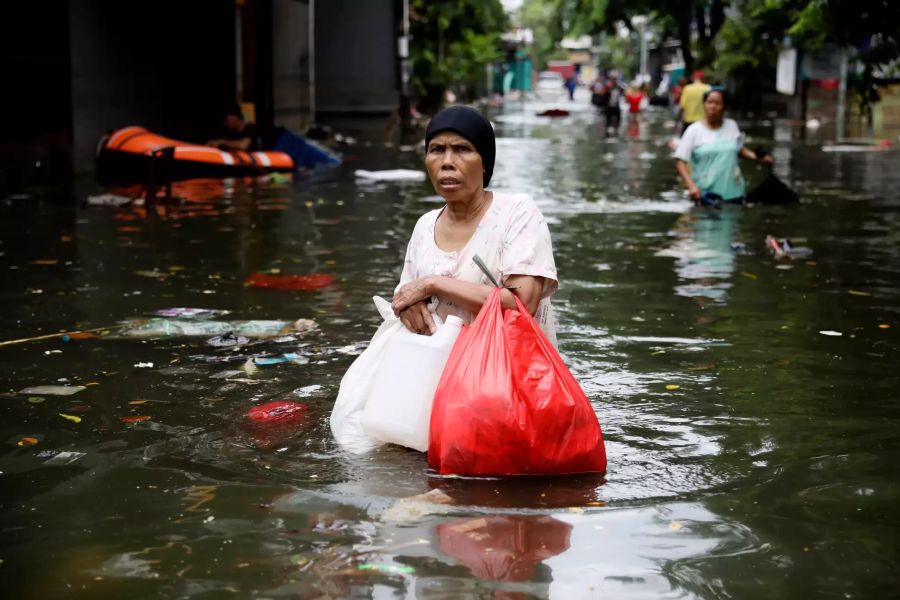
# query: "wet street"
749,403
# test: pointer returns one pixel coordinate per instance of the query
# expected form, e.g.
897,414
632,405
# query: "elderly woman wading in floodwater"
506,230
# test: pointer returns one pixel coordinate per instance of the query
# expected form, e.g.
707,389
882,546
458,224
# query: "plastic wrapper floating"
160,327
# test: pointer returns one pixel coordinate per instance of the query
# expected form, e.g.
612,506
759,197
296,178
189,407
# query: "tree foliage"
452,42
749,38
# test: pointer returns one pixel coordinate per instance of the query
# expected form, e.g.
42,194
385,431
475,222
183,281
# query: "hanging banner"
786,72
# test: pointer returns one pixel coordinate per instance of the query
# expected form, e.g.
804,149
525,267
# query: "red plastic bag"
280,412
506,403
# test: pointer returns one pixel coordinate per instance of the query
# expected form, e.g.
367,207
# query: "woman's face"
714,106
454,166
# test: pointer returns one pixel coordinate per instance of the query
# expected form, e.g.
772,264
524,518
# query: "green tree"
542,17
678,18
746,44
452,42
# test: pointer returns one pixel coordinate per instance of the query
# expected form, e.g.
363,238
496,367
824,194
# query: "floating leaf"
45,261
72,418
28,441
152,274
137,402
858,293
749,275
884,326
675,525
672,386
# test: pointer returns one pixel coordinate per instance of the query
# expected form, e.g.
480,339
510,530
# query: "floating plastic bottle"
398,410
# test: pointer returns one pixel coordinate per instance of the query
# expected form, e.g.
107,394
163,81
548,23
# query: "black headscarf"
473,126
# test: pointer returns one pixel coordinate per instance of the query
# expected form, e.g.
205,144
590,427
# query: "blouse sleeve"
410,271
527,248
685,145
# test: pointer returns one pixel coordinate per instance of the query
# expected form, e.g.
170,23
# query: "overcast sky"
511,5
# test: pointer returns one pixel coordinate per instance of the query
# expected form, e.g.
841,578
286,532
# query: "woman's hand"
767,159
418,319
684,172
411,293
694,192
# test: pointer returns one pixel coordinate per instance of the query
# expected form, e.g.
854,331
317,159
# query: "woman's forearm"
683,172
472,296
747,153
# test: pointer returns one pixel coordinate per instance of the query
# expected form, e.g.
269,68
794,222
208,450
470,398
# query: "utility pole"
842,97
311,29
405,75
640,21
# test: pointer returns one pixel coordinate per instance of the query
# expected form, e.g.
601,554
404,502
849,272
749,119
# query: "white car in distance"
550,85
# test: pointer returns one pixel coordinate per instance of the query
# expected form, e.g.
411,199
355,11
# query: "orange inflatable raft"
128,152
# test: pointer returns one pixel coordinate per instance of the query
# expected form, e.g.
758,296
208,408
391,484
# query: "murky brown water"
770,471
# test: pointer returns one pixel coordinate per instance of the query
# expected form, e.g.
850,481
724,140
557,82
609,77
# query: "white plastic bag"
346,416
398,410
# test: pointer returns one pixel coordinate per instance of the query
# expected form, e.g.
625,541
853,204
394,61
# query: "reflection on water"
704,252
504,547
749,455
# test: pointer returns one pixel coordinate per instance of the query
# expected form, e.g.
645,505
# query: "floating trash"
226,374
53,390
389,569
134,418
79,335
307,391
160,327
284,358
280,412
741,249
64,458
190,313
783,248
390,175
227,340
290,282
108,200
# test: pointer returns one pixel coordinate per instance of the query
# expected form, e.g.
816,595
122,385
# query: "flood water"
749,404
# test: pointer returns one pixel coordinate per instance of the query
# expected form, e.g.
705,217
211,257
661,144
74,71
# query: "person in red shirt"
633,97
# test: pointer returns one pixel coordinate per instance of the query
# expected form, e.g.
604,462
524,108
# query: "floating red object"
290,282
279,412
554,112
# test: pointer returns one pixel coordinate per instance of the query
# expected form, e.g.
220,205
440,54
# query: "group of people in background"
607,94
710,145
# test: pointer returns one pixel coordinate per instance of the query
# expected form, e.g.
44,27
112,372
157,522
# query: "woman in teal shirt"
712,146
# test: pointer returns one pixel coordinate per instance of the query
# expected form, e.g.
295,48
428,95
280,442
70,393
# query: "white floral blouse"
512,239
